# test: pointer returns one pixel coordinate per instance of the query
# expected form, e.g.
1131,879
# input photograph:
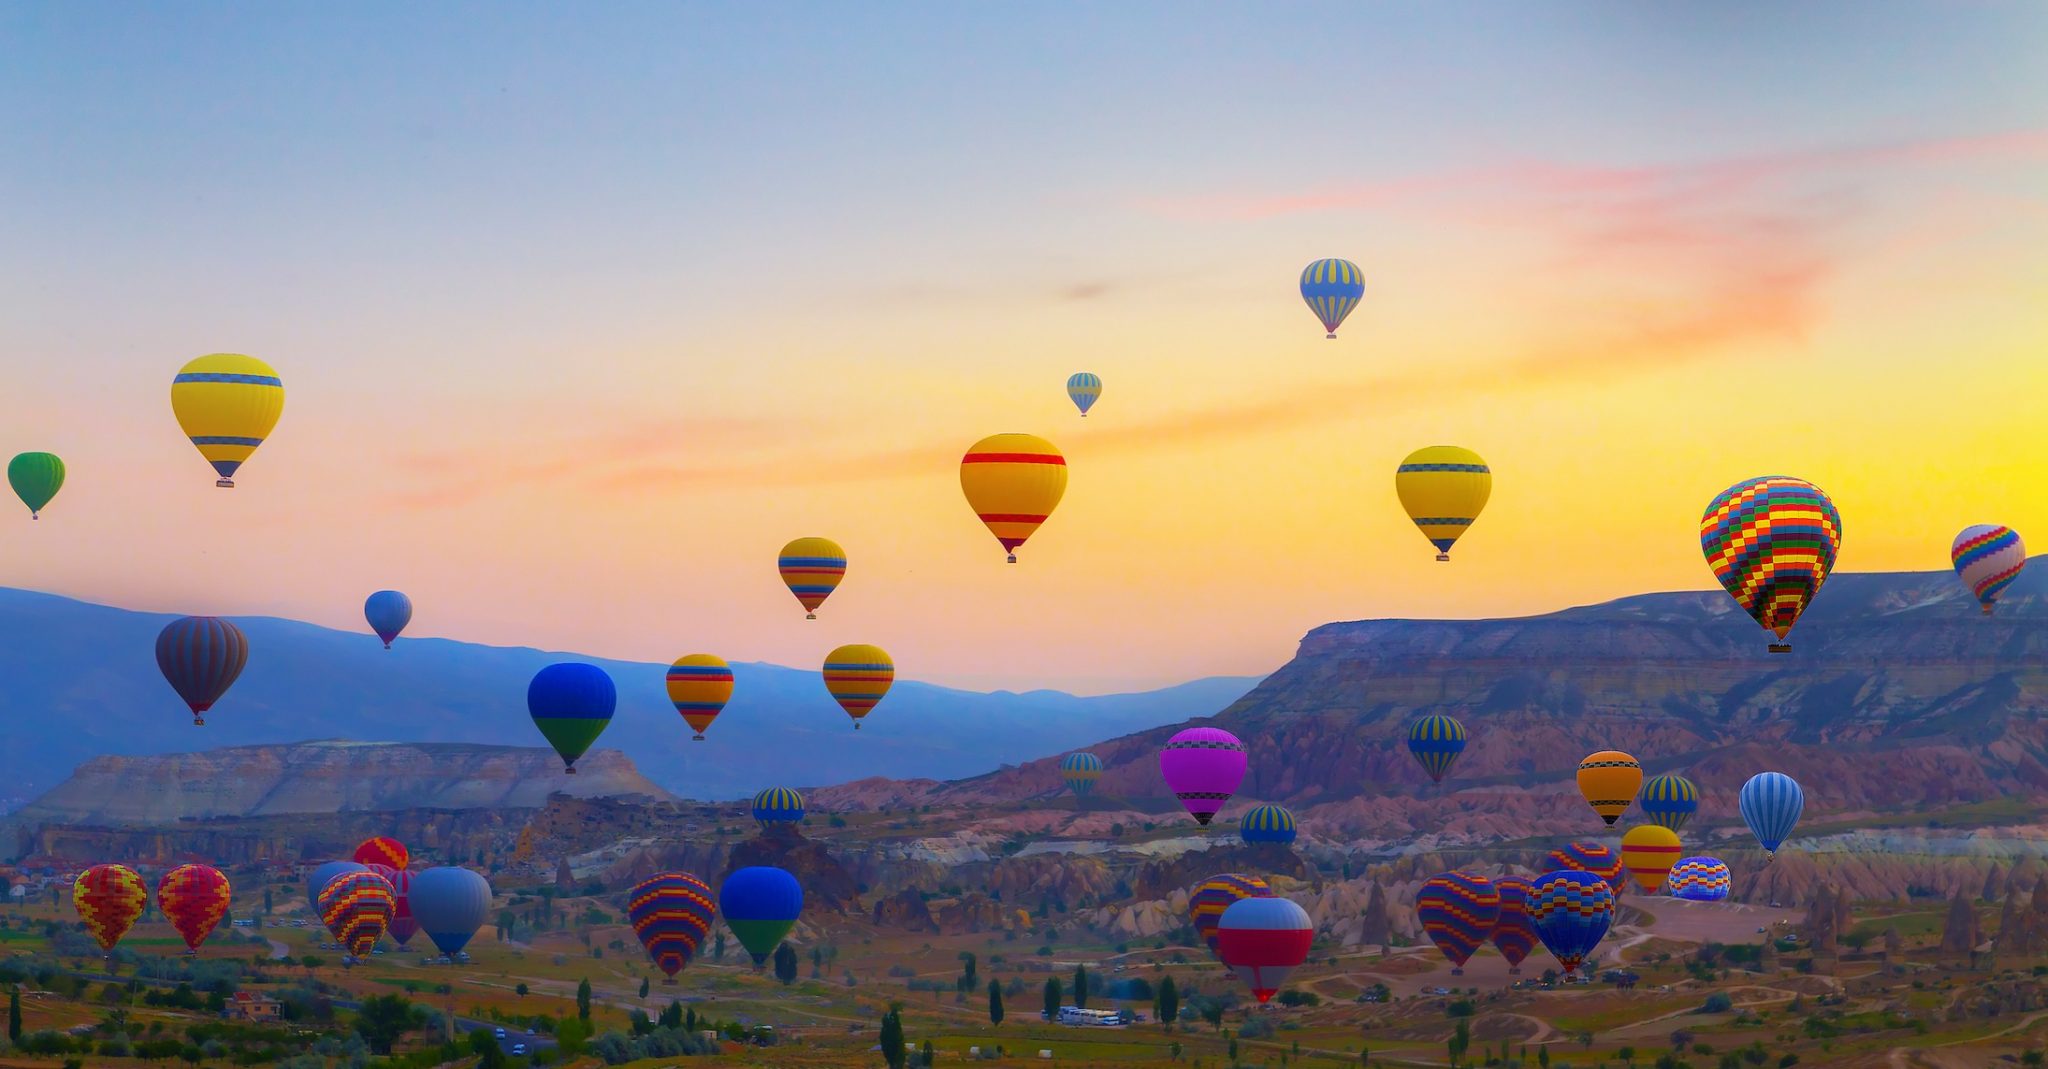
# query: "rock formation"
1994,884
827,884
1959,935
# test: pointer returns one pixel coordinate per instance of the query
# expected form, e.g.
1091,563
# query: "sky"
584,310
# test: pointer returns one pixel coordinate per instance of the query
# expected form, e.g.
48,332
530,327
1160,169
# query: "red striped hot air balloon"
1514,932
1457,911
1216,894
403,927
1590,857
858,676
109,898
1013,482
1263,940
1649,851
193,898
671,913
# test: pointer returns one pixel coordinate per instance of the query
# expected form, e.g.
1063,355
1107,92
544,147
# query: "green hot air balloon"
36,478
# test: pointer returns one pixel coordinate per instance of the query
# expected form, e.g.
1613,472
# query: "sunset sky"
583,310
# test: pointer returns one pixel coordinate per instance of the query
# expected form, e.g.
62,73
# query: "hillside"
83,682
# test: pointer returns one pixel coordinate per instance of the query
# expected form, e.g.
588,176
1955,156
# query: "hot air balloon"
761,904
1332,289
1571,911
193,898
36,478
1771,803
1013,482
1772,542
1591,857
1457,911
1436,741
227,404
670,913
108,899
1610,779
1700,879
1670,801
1266,824
357,909
1263,940
325,875
1203,767
201,656
1081,770
778,805
450,904
1443,488
1649,851
1987,557
1083,389
1514,934
858,676
699,685
571,704
387,612
403,927
812,569
1216,894
382,850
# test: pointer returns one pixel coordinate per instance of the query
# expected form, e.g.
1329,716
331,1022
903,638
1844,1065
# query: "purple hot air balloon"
1203,766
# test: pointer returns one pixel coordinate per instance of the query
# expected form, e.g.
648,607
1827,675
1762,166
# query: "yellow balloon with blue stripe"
1084,389
1332,289
227,404
1443,488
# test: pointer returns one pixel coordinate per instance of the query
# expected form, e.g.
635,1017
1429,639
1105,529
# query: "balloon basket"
1457,972
225,484
668,981
856,725
1986,608
696,738
1445,557
1013,558
199,721
569,769
1332,336
810,616
387,645
1781,647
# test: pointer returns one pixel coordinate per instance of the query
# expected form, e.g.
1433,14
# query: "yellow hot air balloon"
699,685
858,676
1443,487
227,404
1610,779
1013,482
1649,851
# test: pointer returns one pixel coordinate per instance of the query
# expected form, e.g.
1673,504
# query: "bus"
1080,1018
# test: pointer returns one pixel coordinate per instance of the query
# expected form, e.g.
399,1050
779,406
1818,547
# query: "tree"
1626,1054
485,1047
785,964
690,1021
1052,998
1543,1057
718,947
1233,1050
1081,986
1167,1005
643,987
1212,1012
967,966
384,1018
930,1055
520,990
266,901
583,999
892,1040
995,1003
1460,1042
14,1014
310,962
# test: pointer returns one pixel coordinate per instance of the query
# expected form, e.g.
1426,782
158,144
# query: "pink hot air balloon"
1264,940
1203,766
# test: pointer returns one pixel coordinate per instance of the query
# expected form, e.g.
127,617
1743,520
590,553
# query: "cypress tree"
995,1002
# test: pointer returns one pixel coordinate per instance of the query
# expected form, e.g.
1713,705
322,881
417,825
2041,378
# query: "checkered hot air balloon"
1771,803
1263,940
1013,482
671,913
324,875
1458,912
1514,934
812,568
1699,879
699,685
858,677
1203,767
382,850
1571,911
1772,542
1216,894
1591,858
357,908
194,898
1988,557
1436,741
403,926
1669,801
1649,851
1081,770
108,899
778,805
1332,288
1266,824
1609,780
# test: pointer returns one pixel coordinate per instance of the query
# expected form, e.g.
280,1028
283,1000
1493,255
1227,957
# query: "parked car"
519,1048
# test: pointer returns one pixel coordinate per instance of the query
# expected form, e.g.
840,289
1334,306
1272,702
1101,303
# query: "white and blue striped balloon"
1771,804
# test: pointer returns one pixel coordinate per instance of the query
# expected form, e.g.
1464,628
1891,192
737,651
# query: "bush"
1292,997
1256,1028
1717,1003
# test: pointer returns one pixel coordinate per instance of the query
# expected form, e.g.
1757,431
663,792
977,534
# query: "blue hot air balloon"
779,805
1670,801
1083,388
450,904
1436,741
1332,289
325,875
388,611
1771,803
761,904
571,703
1571,911
1081,770
201,656
1699,879
1266,824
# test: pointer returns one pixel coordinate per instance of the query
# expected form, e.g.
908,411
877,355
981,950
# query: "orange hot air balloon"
194,898
1649,851
1013,482
108,899
1610,779
382,850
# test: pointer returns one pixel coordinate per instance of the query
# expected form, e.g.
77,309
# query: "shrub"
1717,1003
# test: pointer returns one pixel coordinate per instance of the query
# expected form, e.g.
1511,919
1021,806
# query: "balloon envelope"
778,805
670,913
403,927
194,898
227,404
325,875
761,904
1458,911
1443,488
858,677
1084,389
699,685
1332,289
450,904
387,612
1436,741
108,899
1013,482
1266,824
1571,911
1649,851
357,909
201,657
812,568
1514,934
1987,557
382,850
571,703
1216,894
1772,542
1263,940
1203,767
1771,803
1609,780
36,478
1081,770
1591,858
1670,801
1700,879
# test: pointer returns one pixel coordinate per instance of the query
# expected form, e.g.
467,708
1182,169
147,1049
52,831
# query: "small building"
248,1006
1080,1018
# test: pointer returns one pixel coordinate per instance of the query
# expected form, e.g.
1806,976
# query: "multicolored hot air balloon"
1594,858
1263,940
858,676
1332,289
1458,911
403,926
1081,770
699,685
1771,803
1436,741
1266,824
1570,911
1609,780
357,909
1083,389
1013,482
108,899
450,904
1670,801
571,703
382,850
1649,851
325,875
1216,894
1514,934
1443,488
387,612
1700,879
193,898
670,913
1203,767
761,904
778,805
36,478
812,568
1988,557
1772,542
201,657
227,404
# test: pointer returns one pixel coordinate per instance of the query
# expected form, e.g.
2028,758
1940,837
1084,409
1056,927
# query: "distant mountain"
82,681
